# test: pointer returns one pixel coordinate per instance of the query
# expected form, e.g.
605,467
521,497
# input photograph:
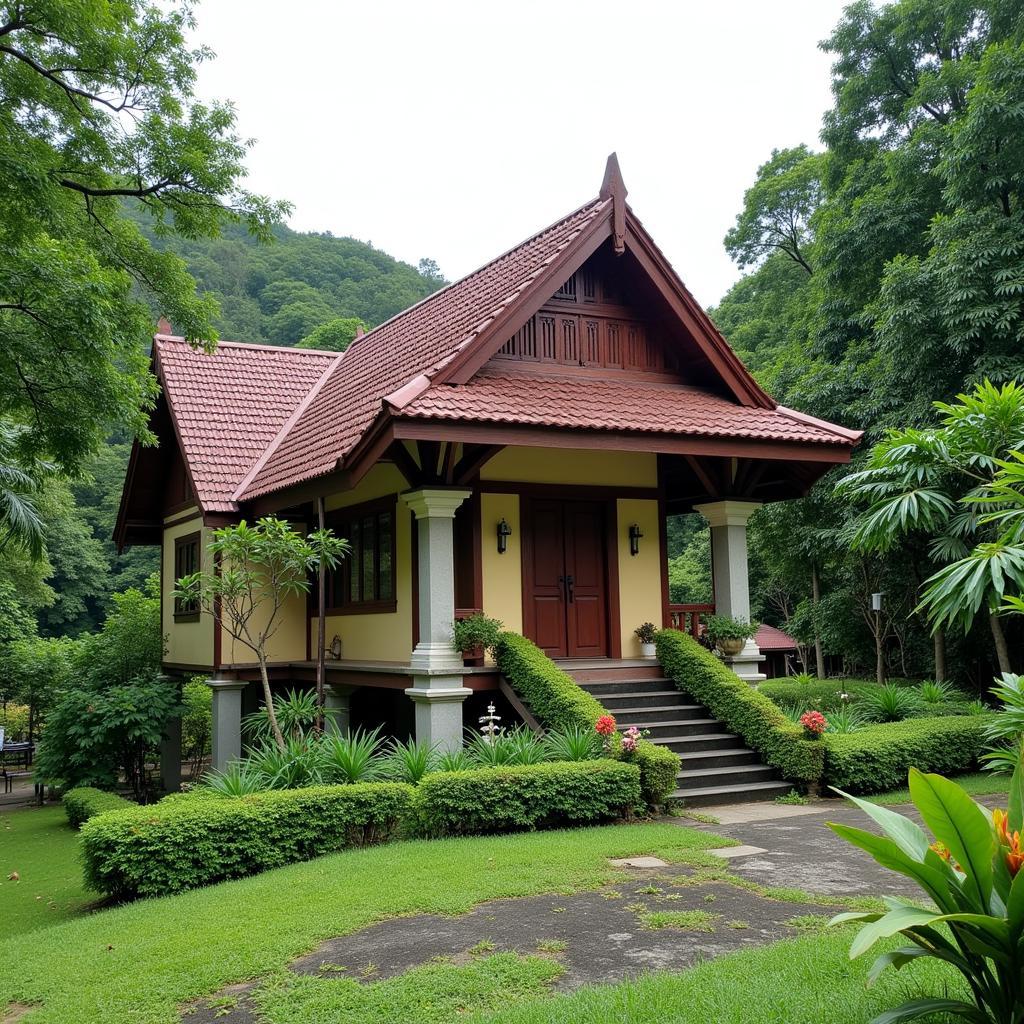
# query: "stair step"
663,711
700,741
616,697
669,727
591,675
698,760
626,686
731,794
726,775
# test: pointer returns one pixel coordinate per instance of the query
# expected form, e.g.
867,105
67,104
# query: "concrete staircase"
716,766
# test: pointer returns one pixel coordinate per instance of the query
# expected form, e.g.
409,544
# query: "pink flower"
629,739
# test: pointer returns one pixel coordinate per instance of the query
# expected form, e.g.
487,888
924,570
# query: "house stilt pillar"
227,720
170,747
437,686
337,708
728,521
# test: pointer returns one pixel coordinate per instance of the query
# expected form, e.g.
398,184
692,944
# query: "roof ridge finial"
614,188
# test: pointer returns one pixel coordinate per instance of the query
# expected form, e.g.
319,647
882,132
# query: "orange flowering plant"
970,868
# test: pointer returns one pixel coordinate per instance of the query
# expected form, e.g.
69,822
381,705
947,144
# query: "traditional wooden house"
513,443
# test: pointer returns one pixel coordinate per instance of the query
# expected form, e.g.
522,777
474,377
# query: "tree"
260,568
334,335
97,109
937,482
777,209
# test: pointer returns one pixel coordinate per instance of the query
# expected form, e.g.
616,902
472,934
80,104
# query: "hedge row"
558,702
170,847
746,712
85,802
526,797
878,757
823,694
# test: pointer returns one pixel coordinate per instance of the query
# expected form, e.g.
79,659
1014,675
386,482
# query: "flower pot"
731,647
647,650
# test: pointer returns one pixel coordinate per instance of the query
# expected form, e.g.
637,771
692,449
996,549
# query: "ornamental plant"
631,737
722,627
646,632
814,723
605,728
969,867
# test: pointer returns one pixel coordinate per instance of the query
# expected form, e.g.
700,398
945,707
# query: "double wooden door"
565,577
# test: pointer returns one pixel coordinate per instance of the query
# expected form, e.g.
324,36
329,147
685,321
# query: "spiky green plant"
1005,732
454,761
574,743
889,703
409,761
934,692
295,710
518,746
297,765
844,721
239,778
355,757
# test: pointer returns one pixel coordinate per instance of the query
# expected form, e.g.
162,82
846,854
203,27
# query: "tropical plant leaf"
897,920
896,958
923,1007
957,822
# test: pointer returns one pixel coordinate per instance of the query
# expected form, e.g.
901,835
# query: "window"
186,562
364,580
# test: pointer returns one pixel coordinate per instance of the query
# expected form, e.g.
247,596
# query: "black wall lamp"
635,533
504,532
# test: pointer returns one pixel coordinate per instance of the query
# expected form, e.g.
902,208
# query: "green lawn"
809,980
976,783
138,963
40,847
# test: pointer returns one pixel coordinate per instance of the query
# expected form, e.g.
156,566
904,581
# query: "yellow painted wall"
188,643
502,574
573,466
639,575
381,636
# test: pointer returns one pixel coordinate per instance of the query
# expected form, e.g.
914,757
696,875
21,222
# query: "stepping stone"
737,851
641,862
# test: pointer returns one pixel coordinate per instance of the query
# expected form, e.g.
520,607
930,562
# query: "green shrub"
526,796
823,694
14,721
478,631
744,710
559,703
183,844
878,757
85,802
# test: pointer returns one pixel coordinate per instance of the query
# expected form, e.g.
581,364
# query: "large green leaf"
1015,805
897,920
895,958
922,1007
889,855
957,821
907,834
1015,906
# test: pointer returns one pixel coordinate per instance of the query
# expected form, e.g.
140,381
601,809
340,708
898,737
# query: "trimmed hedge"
526,797
170,847
558,702
822,694
85,802
748,713
878,757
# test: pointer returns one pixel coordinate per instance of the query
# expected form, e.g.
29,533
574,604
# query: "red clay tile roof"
611,404
769,638
417,341
229,406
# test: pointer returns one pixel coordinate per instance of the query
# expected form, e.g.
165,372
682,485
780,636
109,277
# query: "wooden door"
564,578
587,620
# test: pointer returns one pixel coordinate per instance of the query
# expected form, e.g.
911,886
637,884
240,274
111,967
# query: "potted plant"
645,633
475,634
727,634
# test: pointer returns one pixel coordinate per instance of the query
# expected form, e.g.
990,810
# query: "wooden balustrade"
687,617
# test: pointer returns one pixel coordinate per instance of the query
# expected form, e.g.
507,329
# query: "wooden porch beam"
474,458
702,475
406,464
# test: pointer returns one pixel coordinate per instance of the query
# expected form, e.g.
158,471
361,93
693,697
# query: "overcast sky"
453,130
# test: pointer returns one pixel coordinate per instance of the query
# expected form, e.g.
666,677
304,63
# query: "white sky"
455,129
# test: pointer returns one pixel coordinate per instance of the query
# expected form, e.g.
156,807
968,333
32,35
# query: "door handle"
569,582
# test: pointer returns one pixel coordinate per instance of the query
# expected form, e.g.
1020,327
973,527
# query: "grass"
435,993
139,963
38,845
800,981
976,783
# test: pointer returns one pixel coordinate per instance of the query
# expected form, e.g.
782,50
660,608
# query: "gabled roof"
769,638
252,420
228,406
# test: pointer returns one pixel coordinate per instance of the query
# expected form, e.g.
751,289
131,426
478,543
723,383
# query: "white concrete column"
227,720
728,522
337,708
437,683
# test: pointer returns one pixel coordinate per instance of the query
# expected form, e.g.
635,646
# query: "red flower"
814,721
605,725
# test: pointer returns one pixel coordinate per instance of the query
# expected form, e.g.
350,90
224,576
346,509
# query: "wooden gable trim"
121,523
465,363
697,323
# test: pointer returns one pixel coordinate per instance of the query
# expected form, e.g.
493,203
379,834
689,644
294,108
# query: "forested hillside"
277,293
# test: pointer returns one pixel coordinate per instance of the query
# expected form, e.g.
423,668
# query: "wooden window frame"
187,613
340,520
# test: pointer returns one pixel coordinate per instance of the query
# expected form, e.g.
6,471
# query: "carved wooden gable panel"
588,322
